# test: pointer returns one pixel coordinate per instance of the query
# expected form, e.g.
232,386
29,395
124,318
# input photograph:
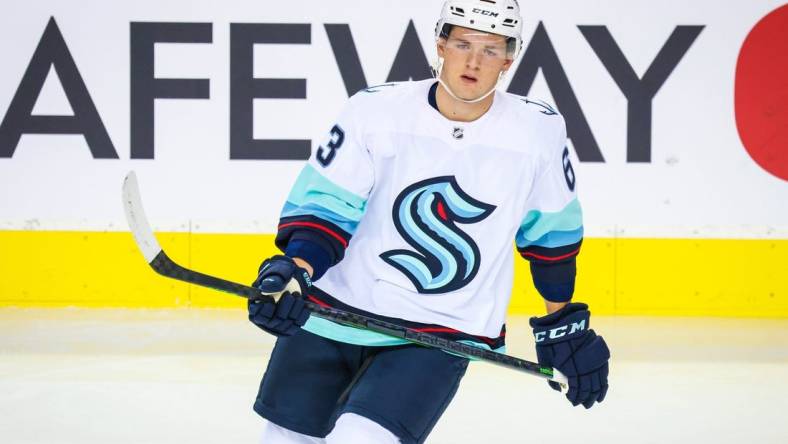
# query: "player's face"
472,61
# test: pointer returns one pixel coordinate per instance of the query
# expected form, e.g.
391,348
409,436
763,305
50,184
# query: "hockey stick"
162,264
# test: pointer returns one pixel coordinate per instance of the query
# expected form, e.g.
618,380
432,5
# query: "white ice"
190,376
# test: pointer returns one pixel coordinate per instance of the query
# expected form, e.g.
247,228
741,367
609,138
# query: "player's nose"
474,59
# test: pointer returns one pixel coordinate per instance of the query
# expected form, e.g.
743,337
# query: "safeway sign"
648,97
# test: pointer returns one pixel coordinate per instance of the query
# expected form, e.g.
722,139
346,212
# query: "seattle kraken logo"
425,215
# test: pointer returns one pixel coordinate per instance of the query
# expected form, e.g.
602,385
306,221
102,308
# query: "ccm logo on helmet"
485,12
560,331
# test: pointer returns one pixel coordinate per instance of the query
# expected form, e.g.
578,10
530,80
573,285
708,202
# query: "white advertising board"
649,91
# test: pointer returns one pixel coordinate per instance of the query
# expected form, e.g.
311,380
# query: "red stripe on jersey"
436,330
317,301
332,233
450,330
552,259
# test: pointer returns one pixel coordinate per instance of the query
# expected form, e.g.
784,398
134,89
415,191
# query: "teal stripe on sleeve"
314,194
553,239
290,210
537,224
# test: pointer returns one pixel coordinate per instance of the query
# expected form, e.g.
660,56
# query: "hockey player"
407,212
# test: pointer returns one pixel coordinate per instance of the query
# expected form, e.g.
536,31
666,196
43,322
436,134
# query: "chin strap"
436,72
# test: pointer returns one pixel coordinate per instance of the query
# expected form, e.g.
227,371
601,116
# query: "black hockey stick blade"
162,264
158,259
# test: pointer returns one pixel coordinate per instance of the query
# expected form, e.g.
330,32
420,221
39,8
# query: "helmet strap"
436,72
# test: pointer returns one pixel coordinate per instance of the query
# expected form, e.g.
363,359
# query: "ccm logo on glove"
560,332
565,342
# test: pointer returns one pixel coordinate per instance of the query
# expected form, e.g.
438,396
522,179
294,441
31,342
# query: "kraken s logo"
425,215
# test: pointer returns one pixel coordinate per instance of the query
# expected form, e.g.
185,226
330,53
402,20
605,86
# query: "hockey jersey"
415,214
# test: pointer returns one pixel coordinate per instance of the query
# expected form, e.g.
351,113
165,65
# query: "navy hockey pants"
311,380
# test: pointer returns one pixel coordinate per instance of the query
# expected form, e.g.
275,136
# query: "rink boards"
704,277
676,136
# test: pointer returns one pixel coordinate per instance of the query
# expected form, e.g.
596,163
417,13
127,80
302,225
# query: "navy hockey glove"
281,278
564,341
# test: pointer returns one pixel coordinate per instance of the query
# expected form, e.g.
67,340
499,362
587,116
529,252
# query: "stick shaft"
162,264
165,266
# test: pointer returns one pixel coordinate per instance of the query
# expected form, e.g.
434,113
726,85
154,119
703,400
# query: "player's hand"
280,273
564,341
281,278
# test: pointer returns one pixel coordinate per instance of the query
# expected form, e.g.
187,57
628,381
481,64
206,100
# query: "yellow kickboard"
672,277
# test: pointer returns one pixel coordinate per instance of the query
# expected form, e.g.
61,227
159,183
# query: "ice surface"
190,376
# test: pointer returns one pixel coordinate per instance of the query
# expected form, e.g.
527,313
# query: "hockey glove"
564,341
281,278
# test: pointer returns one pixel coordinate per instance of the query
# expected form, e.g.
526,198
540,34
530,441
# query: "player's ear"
441,46
506,65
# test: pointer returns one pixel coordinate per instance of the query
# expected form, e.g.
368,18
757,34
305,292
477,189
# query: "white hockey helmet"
500,17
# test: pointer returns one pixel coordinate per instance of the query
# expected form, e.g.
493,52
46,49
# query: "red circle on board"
761,93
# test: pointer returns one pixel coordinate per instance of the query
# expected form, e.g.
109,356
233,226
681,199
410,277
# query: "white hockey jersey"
425,209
